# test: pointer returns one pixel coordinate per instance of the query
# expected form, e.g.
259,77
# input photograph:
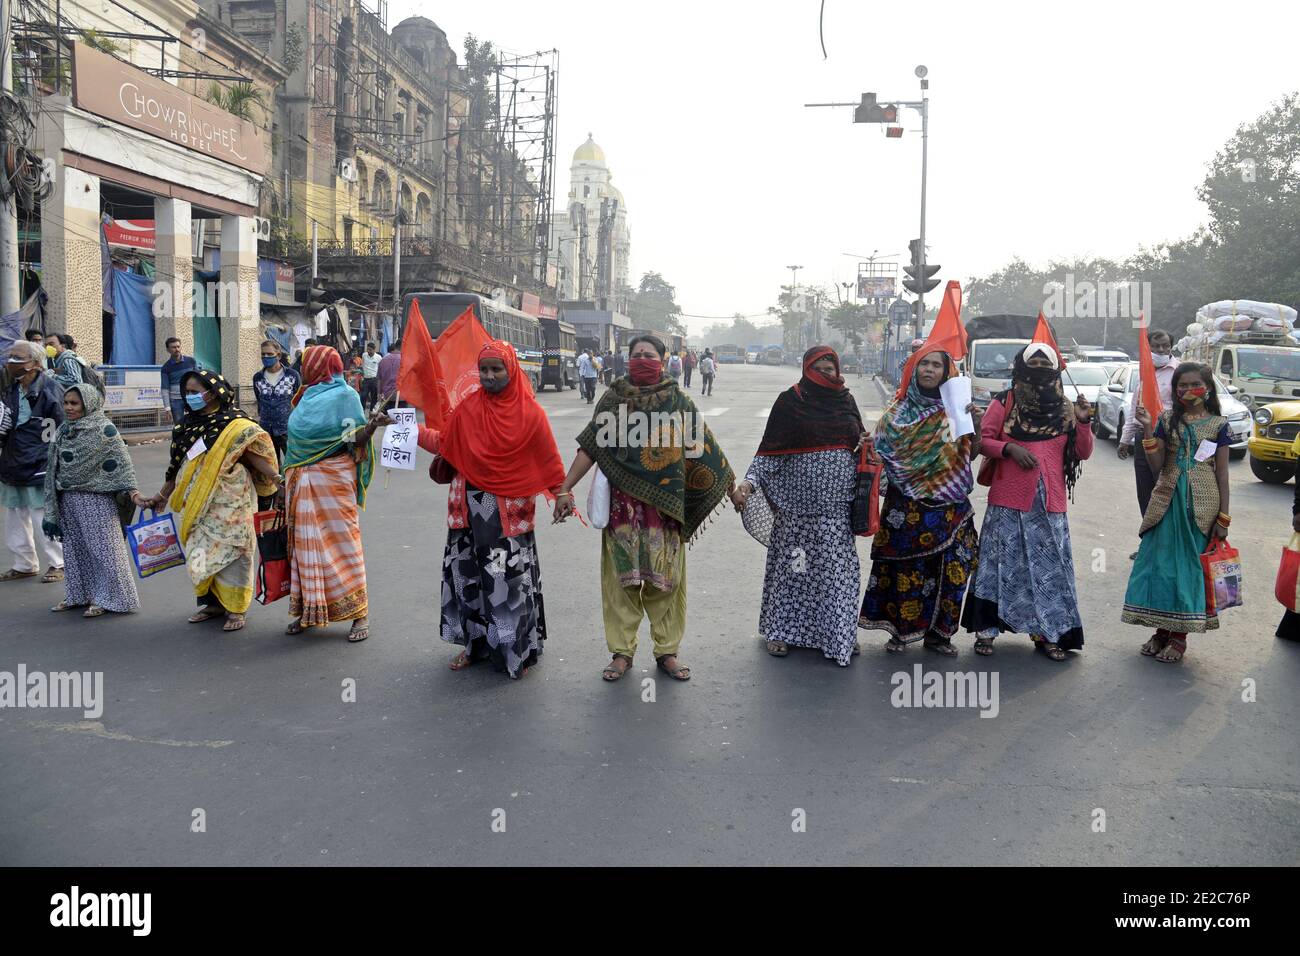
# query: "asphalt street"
252,729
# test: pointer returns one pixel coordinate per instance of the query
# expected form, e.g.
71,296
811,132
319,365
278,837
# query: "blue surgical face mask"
268,361
196,400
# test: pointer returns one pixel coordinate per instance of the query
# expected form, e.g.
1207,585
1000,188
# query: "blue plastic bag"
155,543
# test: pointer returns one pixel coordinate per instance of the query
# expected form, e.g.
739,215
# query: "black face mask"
1040,377
494,385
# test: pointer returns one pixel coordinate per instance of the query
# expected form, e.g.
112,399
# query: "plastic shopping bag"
155,543
1221,565
1288,575
598,500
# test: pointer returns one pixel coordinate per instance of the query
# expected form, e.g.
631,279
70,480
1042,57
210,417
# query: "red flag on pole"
948,335
458,349
1043,334
1150,390
419,379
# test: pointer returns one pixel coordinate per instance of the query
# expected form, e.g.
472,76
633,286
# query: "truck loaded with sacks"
1252,345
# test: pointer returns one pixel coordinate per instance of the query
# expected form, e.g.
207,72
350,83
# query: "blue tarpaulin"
133,325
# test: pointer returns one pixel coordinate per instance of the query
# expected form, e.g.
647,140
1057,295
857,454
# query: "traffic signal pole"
925,155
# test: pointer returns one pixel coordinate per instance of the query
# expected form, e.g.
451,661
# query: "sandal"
778,648
13,574
205,614
612,671
677,671
1155,645
234,622
296,627
1173,650
1054,651
941,646
984,646
461,661
93,611
895,646
52,575
359,634
64,606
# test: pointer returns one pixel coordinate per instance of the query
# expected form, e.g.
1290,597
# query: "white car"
1086,379
1113,405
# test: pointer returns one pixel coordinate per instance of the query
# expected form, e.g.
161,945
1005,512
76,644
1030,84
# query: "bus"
729,354
520,329
559,354
773,355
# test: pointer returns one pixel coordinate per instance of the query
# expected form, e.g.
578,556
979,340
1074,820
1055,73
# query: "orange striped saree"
327,568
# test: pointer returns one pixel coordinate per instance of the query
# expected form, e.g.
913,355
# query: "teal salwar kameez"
1166,589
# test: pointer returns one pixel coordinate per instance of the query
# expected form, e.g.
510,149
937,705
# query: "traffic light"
916,282
869,111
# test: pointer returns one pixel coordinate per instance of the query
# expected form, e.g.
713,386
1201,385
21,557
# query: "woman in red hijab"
499,442
795,500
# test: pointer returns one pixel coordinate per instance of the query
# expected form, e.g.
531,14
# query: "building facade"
593,242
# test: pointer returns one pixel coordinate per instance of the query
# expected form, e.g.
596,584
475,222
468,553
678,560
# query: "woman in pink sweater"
1035,441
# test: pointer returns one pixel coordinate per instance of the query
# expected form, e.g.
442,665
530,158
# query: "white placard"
956,396
1207,450
400,440
198,448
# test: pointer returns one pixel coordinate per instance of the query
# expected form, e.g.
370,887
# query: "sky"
1056,130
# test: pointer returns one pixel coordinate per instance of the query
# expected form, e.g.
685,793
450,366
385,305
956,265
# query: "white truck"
1251,345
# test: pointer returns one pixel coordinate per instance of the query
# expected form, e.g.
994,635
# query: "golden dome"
589,152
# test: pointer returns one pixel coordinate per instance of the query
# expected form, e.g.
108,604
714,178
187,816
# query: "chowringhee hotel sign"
107,87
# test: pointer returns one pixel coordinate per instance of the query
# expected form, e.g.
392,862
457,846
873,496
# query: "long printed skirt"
96,566
810,589
921,561
492,590
1025,581
327,569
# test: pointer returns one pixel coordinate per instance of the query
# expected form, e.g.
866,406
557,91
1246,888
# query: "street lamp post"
794,290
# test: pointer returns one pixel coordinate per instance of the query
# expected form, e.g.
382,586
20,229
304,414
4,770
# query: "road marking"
96,729
719,411
764,413
556,413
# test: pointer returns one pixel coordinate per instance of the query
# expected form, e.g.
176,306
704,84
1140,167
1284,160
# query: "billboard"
135,233
871,287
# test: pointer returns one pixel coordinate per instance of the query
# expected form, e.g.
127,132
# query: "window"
1226,364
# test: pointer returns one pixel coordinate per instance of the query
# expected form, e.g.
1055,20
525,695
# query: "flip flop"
206,614
680,672
358,634
612,672
93,611
13,574
234,622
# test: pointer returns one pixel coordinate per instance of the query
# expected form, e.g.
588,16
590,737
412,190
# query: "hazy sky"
1057,130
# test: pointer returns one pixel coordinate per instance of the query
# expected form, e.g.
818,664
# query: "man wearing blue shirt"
274,387
172,371
587,373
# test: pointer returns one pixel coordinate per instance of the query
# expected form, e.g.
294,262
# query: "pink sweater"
1015,487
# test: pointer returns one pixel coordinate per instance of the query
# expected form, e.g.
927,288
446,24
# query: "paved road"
251,728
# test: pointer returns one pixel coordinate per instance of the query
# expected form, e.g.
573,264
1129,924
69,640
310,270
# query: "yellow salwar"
216,497
624,607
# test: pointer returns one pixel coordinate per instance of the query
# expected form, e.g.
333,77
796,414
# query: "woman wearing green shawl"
89,488
666,474
328,465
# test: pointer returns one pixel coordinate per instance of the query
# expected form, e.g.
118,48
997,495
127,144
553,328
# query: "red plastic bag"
273,553
865,512
1221,565
1288,574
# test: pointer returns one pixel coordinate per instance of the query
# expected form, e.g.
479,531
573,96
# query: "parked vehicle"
994,342
1114,400
1272,441
1097,356
729,354
773,355
1083,378
559,354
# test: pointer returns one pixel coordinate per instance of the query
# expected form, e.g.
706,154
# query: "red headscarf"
502,443
320,363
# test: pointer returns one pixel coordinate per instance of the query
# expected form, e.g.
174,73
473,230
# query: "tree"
850,320
654,306
237,99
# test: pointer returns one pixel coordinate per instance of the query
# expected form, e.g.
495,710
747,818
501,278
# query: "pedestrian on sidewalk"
328,466
1188,510
675,366
1162,348
173,370
708,369
90,494
1025,580
688,366
660,495
587,375
926,550
221,460
504,454
370,377
32,410
274,387
796,500
607,367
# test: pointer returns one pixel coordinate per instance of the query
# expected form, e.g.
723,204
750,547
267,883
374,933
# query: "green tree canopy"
654,306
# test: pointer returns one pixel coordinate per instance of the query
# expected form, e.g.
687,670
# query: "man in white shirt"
587,373
708,369
1162,347
370,377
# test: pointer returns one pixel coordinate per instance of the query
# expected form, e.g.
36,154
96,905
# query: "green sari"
1166,589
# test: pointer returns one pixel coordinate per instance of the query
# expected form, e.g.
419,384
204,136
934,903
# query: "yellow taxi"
1275,441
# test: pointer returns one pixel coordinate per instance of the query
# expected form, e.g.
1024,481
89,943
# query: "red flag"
1043,334
1150,391
457,349
419,379
948,335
